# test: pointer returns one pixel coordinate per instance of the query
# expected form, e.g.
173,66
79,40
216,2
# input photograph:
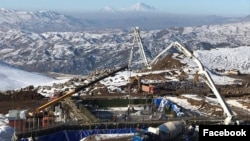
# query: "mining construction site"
93,104
163,90
29,98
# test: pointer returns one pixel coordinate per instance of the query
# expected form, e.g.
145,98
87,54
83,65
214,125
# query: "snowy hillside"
226,58
222,58
13,78
39,21
83,52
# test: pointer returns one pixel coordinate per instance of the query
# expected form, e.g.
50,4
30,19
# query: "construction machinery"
168,131
137,38
37,112
230,117
173,129
79,88
135,81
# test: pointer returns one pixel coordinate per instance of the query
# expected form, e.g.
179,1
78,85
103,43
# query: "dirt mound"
154,77
167,63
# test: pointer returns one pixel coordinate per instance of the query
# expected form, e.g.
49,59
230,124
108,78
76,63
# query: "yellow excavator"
40,109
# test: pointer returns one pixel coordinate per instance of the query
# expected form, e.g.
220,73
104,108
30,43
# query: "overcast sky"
215,7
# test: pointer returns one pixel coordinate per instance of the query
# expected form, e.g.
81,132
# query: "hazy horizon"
231,8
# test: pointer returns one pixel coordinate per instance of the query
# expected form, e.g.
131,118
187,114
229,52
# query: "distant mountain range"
139,14
45,41
142,7
39,21
83,52
222,58
138,7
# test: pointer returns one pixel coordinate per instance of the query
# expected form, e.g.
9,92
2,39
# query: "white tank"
169,130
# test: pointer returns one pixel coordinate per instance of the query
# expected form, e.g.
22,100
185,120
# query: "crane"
206,76
137,38
155,60
79,88
202,71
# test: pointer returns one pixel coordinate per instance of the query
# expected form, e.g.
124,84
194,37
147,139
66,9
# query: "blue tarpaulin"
157,101
163,102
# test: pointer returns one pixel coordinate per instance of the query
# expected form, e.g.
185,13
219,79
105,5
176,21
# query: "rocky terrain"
84,51
35,49
30,99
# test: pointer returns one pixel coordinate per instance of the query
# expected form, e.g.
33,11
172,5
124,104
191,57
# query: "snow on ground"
221,58
216,59
13,78
236,103
184,103
227,58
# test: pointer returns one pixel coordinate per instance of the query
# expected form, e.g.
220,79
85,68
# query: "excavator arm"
78,89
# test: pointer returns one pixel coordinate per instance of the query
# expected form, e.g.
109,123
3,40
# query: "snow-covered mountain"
83,52
39,21
220,58
140,7
67,51
138,14
149,18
